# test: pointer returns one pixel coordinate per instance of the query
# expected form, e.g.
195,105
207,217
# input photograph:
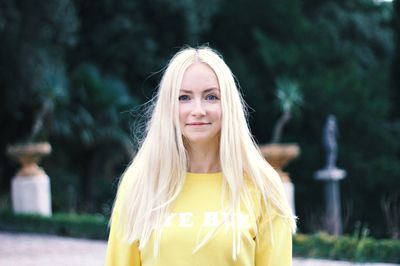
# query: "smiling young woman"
200,117
198,191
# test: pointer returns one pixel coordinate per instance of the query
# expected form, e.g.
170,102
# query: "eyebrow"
205,91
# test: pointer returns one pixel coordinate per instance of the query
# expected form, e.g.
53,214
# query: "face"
200,106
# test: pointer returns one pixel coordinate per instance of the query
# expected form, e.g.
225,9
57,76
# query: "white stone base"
289,189
330,174
31,194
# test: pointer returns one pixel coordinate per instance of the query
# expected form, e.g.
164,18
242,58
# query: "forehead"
199,76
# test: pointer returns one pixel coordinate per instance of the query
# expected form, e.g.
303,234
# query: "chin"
200,139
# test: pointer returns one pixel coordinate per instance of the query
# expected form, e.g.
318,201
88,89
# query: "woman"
198,191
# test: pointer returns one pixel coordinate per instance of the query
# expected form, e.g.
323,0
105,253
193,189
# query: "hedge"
363,249
319,245
74,225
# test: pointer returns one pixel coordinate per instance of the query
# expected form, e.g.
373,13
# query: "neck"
203,159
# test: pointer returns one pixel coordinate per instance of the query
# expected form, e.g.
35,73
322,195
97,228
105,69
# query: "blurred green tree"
94,124
395,78
32,67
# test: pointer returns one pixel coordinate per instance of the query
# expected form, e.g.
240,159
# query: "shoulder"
261,207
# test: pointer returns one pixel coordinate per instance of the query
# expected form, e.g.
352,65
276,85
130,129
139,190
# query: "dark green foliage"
95,118
346,248
132,39
395,88
82,226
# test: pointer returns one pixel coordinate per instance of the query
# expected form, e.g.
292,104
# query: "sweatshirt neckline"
203,176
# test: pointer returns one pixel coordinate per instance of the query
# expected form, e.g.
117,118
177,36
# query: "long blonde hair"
156,175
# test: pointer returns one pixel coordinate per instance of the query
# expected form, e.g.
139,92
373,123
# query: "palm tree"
289,98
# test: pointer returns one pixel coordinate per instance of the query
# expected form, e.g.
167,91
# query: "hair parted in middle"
157,173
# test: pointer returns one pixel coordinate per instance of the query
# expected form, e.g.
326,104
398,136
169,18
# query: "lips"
198,124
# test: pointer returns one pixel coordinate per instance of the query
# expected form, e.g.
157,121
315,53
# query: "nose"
198,108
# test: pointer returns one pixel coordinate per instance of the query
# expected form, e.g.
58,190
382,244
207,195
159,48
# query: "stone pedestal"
330,174
333,218
31,194
279,155
30,188
289,189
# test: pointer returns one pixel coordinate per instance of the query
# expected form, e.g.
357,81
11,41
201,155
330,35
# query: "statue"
331,175
329,141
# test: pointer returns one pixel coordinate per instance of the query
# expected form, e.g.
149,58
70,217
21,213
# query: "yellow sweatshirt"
196,211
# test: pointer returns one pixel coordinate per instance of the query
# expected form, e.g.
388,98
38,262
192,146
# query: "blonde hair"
151,182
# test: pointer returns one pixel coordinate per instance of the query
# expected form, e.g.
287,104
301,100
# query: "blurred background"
76,74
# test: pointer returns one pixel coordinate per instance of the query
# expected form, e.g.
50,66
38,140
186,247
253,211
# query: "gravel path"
43,250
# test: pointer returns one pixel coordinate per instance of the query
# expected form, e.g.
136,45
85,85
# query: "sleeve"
120,253
274,248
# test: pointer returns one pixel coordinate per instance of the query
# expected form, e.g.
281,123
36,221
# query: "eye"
211,97
184,98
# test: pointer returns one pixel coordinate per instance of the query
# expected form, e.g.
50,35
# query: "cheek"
217,113
182,113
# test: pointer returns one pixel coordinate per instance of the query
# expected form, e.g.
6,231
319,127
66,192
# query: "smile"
198,124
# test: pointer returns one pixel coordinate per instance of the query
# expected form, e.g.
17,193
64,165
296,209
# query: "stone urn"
29,156
30,187
278,156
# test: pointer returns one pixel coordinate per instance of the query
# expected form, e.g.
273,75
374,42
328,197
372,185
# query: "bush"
346,248
74,225
369,249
